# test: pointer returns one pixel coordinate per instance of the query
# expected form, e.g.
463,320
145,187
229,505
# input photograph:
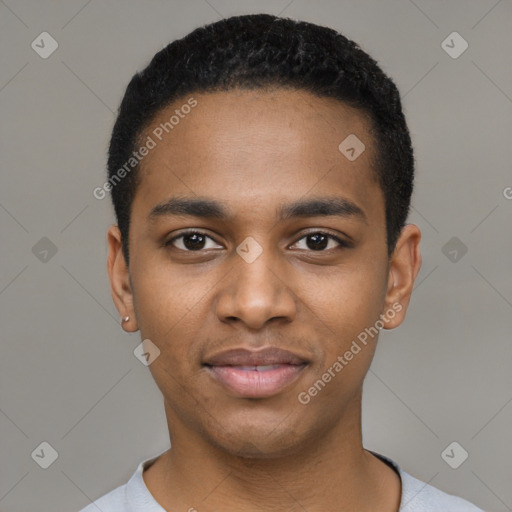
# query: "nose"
257,292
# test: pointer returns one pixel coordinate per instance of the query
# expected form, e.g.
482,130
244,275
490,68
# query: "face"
258,258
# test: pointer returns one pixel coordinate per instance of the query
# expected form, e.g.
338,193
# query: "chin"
260,448
259,440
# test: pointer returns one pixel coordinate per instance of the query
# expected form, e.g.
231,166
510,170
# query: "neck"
331,472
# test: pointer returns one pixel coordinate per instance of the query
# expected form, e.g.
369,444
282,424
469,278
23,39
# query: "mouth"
256,374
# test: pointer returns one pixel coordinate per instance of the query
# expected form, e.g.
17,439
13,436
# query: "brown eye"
190,241
319,241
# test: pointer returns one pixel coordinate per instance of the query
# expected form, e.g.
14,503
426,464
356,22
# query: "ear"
404,265
120,285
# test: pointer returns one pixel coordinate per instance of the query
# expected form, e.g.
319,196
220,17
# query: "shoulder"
418,496
133,496
115,500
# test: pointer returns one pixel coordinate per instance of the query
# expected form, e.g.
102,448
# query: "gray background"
68,373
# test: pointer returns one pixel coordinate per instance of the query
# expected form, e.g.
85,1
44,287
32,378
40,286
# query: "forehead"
241,145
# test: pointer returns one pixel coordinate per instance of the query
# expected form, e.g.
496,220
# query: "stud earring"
125,319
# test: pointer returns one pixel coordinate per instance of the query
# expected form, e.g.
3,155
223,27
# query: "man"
261,172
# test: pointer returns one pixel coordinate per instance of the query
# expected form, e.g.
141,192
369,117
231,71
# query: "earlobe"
120,285
404,265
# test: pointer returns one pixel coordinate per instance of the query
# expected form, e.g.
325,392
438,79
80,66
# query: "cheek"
346,307
348,340
171,307
166,300
339,382
171,316
345,301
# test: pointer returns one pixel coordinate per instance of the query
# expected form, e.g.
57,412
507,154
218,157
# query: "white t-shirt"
417,496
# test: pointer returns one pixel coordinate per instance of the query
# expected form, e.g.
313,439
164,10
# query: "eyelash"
342,243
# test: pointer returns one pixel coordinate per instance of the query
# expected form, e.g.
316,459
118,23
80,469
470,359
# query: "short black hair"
260,51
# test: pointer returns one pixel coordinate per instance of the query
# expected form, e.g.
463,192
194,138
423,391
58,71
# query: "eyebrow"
212,209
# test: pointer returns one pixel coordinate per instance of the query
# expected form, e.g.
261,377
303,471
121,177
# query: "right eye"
190,241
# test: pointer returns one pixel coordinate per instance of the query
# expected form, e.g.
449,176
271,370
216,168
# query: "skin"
231,453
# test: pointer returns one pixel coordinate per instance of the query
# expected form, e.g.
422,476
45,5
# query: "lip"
256,374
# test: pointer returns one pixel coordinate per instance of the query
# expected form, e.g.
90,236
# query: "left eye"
319,241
